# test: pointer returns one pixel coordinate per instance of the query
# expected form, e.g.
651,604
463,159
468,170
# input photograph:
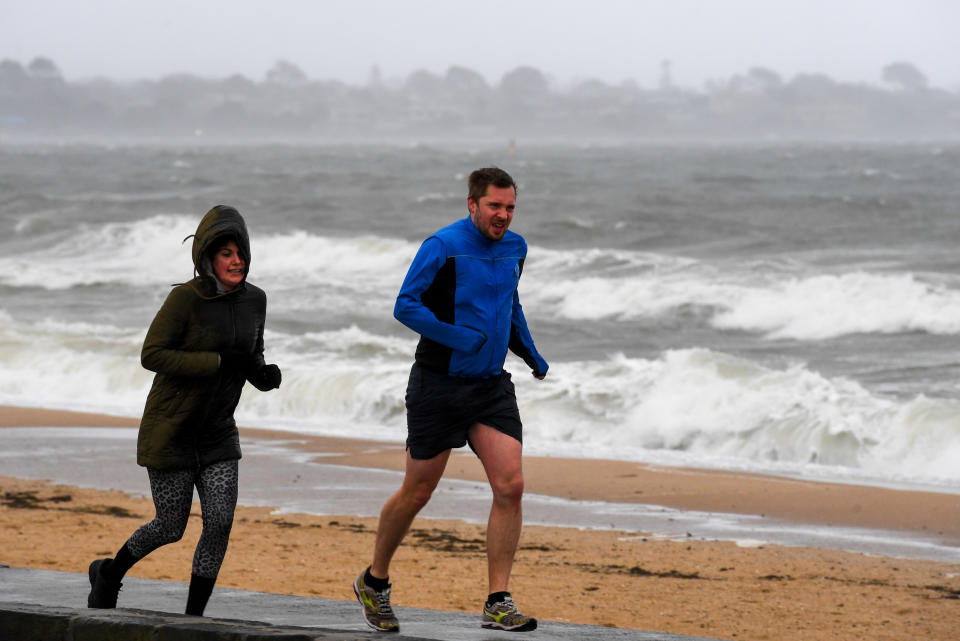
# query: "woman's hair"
220,241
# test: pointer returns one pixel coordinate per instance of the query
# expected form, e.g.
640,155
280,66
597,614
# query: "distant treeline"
36,102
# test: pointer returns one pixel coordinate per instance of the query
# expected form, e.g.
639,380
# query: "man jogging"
460,295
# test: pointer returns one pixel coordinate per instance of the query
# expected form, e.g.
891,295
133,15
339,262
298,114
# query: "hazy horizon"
614,41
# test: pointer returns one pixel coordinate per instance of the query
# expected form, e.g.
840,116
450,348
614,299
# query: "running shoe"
103,591
377,612
503,615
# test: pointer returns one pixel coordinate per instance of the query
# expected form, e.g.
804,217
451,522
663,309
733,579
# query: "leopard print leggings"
173,494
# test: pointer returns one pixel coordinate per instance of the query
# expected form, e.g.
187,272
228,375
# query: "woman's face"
228,266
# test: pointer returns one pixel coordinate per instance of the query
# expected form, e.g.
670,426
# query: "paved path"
42,605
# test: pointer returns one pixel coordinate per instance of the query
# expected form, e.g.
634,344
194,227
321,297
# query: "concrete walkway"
41,605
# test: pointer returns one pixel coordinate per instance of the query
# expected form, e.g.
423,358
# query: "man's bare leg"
501,458
419,481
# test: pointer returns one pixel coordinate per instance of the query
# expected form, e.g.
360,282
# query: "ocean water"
786,308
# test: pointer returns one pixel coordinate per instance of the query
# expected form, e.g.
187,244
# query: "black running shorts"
441,409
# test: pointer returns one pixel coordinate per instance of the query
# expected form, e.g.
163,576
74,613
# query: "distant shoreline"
757,103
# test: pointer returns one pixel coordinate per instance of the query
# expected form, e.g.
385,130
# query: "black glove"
233,361
268,377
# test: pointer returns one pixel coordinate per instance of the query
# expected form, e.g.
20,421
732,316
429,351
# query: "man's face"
494,211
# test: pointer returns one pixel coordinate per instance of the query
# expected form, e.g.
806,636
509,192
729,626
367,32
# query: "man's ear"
471,205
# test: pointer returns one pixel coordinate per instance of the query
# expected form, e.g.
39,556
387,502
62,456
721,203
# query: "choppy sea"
786,308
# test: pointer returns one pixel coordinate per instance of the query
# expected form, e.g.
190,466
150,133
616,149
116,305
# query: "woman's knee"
218,522
171,530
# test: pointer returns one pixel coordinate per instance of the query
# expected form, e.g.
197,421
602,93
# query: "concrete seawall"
41,605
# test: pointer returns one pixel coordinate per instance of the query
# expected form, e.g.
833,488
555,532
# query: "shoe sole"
92,575
363,610
529,626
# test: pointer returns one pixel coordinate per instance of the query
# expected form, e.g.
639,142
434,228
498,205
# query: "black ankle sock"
496,597
200,589
118,566
377,584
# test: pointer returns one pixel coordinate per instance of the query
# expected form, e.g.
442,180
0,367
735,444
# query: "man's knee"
420,480
417,496
508,489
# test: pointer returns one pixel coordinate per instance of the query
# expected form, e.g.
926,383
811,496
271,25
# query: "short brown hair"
482,178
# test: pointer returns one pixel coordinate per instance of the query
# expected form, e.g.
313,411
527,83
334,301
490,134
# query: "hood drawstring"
185,239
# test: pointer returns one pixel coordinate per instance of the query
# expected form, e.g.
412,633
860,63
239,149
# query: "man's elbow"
402,310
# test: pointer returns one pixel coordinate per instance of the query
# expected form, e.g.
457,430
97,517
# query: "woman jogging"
204,344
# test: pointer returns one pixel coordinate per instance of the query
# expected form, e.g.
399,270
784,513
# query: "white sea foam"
151,252
825,306
586,285
710,406
144,252
72,366
690,406
306,271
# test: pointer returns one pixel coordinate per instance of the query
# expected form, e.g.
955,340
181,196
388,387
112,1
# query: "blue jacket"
460,295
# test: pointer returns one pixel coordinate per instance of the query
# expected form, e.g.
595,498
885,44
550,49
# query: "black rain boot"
200,589
103,591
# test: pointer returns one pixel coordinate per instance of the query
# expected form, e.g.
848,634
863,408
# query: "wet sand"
623,579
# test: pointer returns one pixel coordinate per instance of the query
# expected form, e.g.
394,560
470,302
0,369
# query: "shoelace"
506,607
383,601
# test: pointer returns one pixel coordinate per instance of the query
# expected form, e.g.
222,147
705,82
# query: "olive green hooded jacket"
188,418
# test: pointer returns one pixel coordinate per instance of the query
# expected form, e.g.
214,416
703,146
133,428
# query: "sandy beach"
623,579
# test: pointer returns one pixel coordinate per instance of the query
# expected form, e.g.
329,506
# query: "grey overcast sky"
612,40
